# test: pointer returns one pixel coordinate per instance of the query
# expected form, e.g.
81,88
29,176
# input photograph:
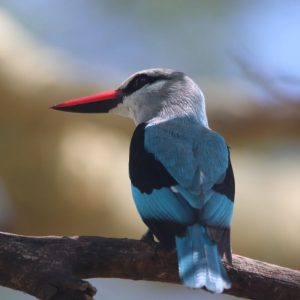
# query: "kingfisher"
181,176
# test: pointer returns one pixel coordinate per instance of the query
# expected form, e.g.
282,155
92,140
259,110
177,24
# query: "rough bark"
53,267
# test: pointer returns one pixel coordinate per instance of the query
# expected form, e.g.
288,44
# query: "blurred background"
66,174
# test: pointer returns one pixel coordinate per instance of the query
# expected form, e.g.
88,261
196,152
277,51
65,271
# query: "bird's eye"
140,81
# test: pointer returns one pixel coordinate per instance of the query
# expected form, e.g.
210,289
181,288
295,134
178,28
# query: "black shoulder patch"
227,186
145,172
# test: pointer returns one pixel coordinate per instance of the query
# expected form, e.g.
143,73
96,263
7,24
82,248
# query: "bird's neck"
190,112
185,117
186,105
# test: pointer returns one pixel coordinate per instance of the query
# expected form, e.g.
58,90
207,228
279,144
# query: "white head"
153,94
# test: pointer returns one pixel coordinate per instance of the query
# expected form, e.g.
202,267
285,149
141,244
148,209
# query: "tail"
199,262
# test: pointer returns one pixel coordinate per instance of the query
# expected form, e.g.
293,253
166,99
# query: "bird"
181,175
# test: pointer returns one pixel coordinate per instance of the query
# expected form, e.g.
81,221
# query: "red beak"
99,103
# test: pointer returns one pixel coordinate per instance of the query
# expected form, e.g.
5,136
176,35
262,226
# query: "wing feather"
198,159
195,156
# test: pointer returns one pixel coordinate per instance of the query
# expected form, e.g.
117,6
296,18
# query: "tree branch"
52,267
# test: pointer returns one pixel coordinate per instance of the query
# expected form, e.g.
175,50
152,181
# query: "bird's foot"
148,238
159,247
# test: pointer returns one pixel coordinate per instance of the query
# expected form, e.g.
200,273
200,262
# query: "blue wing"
195,156
183,187
166,214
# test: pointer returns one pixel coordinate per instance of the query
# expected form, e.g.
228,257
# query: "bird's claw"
148,237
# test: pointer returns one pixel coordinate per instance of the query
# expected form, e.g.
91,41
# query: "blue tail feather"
199,262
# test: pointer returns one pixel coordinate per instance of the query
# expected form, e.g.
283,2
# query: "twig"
52,267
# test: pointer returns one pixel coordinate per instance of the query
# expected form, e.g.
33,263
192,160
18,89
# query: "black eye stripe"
139,81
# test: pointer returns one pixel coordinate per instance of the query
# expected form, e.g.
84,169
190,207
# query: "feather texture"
195,156
186,195
164,213
199,262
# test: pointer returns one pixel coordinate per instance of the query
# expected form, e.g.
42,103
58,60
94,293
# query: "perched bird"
180,170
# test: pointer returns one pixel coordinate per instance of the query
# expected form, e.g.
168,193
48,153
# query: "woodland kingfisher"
181,175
